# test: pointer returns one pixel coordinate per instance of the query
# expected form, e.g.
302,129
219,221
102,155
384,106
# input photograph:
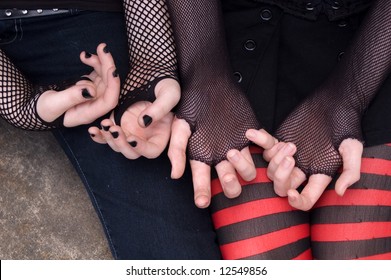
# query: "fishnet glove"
151,51
18,98
213,105
334,112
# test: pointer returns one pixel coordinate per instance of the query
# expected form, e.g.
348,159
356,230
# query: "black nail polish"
105,49
88,55
86,93
115,73
105,128
92,135
133,144
115,134
147,120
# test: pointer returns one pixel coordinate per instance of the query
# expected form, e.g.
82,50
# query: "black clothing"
280,58
91,5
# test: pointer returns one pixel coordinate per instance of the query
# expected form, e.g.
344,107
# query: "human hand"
238,163
287,177
132,137
93,96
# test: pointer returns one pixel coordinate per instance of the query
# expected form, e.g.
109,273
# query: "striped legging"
261,225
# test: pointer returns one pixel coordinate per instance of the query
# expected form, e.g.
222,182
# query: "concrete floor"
45,212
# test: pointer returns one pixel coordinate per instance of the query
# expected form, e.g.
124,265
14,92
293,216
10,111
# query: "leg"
259,224
357,225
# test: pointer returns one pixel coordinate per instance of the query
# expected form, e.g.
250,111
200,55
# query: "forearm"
18,98
367,62
200,38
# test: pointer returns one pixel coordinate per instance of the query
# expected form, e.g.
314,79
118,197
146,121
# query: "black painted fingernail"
105,128
115,73
147,120
105,49
115,134
133,144
86,93
88,55
92,135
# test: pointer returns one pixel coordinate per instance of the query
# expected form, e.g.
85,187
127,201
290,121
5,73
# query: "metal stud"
8,13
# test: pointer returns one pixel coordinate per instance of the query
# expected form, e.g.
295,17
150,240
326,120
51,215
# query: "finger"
201,183
243,164
228,179
270,153
167,97
52,104
112,91
288,149
147,148
121,143
351,152
312,191
180,134
262,138
106,60
282,176
96,135
106,124
91,60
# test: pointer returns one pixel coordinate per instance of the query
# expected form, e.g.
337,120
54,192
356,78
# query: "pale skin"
287,177
103,87
152,140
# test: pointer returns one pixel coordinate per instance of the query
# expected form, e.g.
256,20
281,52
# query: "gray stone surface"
45,212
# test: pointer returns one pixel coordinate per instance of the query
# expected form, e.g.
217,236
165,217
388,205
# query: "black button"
266,15
238,77
340,55
336,5
250,45
309,6
342,23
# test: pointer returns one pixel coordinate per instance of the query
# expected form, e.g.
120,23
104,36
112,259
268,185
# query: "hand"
131,137
238,163
90,98
287,177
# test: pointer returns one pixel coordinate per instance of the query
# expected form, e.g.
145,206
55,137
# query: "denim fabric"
144,213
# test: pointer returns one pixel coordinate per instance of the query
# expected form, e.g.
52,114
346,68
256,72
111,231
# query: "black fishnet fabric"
18,98
333,113
212,103
151,51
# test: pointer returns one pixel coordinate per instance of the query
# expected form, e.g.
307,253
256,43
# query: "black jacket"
281,51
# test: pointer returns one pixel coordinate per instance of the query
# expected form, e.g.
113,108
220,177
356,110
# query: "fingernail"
233,156
105,128
147,120
250,134
115,134
92,135
202,201
286,163
88,55
105,49
289,147
133,144
86,94
115,73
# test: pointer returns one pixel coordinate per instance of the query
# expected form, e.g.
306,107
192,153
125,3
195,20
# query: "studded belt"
22,13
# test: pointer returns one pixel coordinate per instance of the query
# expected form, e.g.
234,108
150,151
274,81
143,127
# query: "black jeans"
144,213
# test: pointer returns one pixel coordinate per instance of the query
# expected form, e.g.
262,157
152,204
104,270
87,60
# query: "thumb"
351,153
52,104
180,135
167,93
